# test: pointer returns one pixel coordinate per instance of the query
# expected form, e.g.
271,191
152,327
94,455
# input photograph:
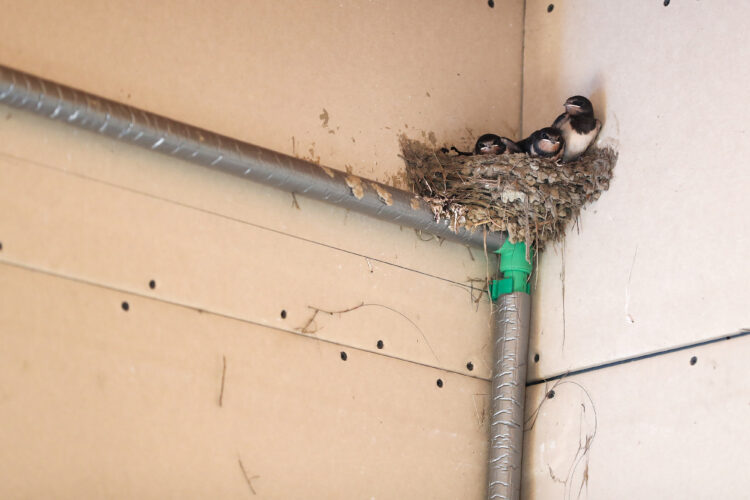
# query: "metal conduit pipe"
511,341
157,133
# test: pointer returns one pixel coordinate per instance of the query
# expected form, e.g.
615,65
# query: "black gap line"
723,338
84,281
226,217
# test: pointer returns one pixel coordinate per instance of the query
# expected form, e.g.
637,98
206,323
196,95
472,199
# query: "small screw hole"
440,382
380,344
152,284
125,306
666,3
536,358
283,314
693,360
551,394
343,356
470,366
551,7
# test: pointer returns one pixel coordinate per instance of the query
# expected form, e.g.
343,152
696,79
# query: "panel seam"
230,317
231,218
741,333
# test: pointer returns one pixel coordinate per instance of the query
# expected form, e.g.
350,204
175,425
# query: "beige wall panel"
27,137
107,235
656,428
101,403
334,80
661,259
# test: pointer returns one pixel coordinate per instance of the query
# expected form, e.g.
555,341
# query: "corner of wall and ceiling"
523,68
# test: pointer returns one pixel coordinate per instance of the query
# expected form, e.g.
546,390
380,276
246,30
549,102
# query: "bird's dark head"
549,139
489,144
578,105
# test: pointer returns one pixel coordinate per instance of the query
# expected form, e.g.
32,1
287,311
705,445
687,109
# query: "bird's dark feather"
560,120
583,124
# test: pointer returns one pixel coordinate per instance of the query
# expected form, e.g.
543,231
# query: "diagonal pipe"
201,147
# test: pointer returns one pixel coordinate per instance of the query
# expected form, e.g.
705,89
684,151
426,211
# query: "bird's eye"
544,135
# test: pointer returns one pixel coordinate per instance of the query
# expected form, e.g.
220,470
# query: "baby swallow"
491,144
495,145
578,126
545,143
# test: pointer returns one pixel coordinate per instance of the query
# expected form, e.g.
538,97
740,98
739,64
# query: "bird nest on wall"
532,199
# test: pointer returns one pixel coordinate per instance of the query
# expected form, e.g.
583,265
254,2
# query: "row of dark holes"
551,394
551,6
693,360
344,357
125,306
469,366
380,344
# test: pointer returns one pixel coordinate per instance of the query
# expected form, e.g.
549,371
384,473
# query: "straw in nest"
532,199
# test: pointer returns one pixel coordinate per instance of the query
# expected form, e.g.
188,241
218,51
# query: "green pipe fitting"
515,268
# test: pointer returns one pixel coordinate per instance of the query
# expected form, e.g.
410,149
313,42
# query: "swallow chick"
544,143
578,126
490,144
495,145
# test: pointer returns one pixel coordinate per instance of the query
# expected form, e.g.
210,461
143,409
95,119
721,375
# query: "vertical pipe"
511,338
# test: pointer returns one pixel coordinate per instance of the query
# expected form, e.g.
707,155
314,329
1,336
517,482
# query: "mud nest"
532,199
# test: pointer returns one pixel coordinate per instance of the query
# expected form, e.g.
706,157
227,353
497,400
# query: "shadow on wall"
541,110
550,28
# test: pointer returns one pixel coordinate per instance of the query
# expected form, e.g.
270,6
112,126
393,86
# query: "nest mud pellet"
533,199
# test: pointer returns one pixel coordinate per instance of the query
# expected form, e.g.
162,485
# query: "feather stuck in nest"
533,199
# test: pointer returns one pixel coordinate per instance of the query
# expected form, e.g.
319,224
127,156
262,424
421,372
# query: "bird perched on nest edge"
578,126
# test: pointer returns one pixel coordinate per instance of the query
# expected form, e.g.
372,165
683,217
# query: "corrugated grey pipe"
511,336
208,149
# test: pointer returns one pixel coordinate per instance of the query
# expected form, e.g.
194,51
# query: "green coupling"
515,269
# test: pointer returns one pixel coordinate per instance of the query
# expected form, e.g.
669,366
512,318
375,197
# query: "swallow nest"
532,199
